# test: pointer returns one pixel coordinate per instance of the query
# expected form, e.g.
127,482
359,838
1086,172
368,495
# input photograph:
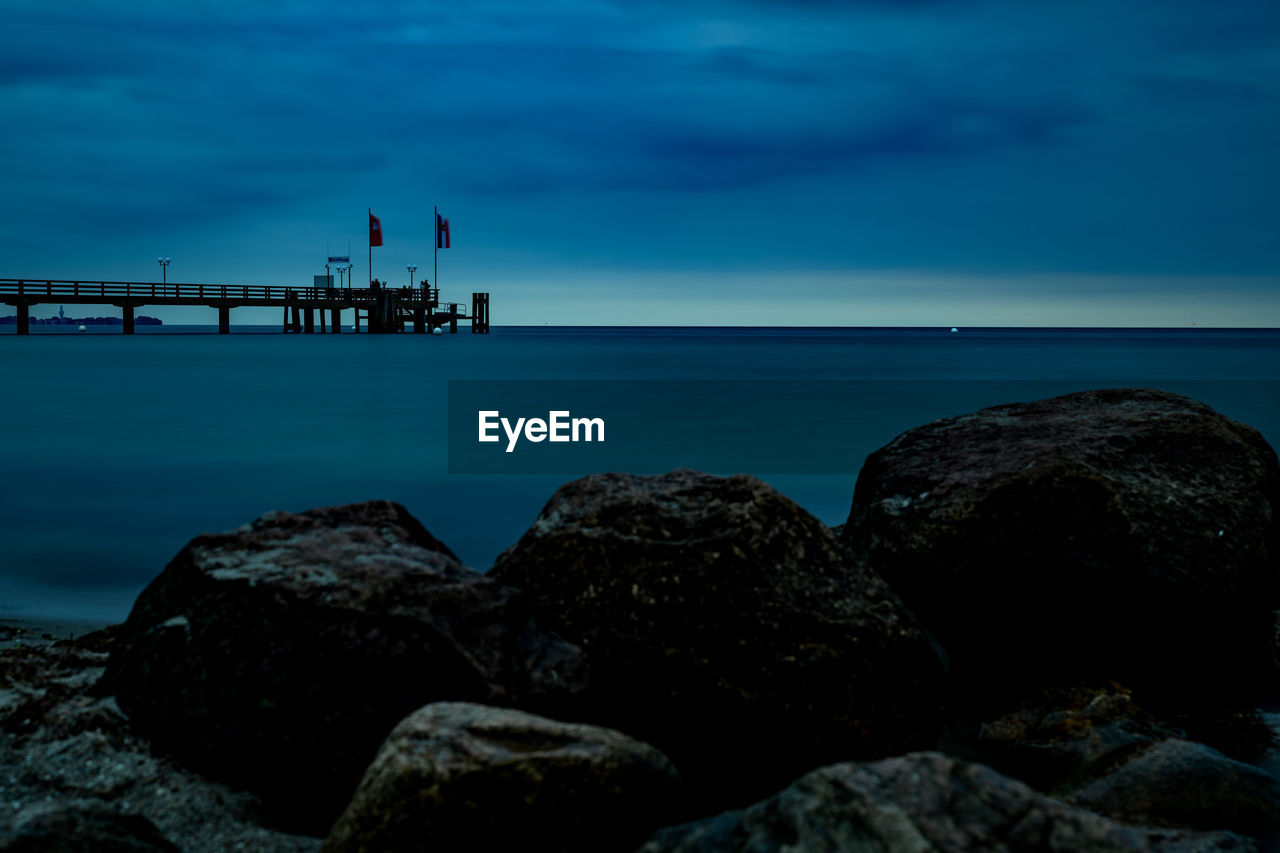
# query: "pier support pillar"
297,319
453,322
420,319
479,313
336,321
224,321
24,318
310,324
322,321
128,319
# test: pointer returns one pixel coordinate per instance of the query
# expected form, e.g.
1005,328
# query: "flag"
375,230
442,232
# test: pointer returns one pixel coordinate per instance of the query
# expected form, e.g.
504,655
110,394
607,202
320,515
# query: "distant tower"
62,315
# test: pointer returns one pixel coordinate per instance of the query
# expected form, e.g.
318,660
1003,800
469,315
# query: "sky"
703,162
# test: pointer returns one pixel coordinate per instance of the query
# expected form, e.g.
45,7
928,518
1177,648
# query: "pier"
383,309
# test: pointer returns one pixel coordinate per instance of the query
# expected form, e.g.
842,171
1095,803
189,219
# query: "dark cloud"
1191,91
1063,120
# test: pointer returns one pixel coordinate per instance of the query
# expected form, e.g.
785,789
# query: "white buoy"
437,331
954,329
82,329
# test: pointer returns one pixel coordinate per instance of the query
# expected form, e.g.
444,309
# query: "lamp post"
164,269
412,268
350,266
342,271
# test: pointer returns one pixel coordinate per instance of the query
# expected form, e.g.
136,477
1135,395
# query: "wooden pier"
383,309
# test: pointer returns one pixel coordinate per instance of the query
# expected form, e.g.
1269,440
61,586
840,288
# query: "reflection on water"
116,450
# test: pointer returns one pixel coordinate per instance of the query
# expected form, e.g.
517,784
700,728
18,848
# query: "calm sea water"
114,450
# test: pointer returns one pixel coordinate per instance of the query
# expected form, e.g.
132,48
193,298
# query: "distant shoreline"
38,632
141,320
262,327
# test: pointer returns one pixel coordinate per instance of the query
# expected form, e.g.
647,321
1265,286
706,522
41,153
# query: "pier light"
412,268
164,269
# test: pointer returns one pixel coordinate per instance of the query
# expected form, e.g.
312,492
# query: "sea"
116,450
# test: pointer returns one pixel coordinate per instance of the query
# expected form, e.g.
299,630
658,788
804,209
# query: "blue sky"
953,162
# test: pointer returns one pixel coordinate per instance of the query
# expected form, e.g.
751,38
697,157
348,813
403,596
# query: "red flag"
442,232
375,230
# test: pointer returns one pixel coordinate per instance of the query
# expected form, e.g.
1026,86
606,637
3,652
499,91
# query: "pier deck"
385,309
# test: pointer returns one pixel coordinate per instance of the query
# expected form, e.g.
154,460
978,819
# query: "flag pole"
371,251
435,242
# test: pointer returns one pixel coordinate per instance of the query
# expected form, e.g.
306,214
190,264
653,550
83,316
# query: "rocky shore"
1043,626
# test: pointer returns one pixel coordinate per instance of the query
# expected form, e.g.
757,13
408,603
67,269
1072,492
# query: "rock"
120,774
277,656
1128,534
457,776
1063,739
72,749
918,803
1176,781
42,687
83,714
1059,735
728,627
81,827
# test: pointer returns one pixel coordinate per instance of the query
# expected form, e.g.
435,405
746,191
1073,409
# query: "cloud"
569,113
978,132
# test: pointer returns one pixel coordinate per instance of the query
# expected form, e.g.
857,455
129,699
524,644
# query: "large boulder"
922,803
1190,784
728,627
278,656
458,776
1127,534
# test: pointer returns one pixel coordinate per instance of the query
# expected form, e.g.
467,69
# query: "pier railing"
128,290
387,309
